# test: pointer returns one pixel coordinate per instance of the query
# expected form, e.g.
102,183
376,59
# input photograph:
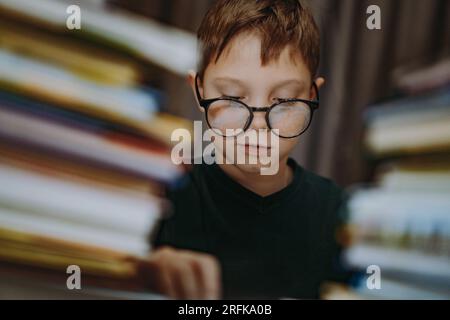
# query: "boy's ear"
320,81
191,81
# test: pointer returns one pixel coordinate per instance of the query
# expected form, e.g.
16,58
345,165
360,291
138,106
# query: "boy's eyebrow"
283,83
229,80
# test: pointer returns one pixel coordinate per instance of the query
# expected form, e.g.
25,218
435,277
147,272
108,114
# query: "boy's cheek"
286,146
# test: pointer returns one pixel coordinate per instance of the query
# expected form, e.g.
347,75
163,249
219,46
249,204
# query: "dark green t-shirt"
281,245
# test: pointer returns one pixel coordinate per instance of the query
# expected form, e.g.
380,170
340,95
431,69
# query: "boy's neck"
263,185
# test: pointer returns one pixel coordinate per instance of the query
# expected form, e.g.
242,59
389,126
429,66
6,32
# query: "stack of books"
400,222
85,152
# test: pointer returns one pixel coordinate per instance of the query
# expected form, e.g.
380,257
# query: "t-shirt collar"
261,203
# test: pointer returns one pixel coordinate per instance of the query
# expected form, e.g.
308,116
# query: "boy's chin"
252,164
250,168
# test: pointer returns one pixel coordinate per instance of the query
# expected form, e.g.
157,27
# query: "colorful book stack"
84,150
401,224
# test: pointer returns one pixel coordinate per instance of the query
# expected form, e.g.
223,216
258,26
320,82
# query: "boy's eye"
231,97
283,99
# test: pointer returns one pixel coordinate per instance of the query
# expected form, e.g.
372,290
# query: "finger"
161,280
166,284
184,280
208,276
157,271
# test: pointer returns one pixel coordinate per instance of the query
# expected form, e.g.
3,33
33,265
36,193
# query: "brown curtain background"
358,65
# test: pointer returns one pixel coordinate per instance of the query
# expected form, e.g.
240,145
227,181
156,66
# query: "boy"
236,233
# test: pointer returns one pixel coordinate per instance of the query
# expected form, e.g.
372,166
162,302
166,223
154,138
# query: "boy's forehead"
243,55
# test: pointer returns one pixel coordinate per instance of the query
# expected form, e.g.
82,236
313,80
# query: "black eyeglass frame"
205,103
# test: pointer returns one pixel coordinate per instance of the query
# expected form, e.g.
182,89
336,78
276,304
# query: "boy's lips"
254,149
259,146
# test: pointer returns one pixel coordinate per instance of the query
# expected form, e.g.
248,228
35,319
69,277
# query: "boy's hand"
183,274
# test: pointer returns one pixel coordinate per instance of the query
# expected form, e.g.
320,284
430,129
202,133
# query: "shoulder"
325,219
325,199
320,189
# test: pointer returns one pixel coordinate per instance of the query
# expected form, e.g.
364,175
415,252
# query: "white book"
169,47
426,180
393,290
425,135
34,76
380,203
87,145
70,201
386,211
21,221
398,117
394,260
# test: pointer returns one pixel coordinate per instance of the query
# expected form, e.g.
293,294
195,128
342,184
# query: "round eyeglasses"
229,117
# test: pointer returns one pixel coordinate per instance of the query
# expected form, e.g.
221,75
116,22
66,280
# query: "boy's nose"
259,121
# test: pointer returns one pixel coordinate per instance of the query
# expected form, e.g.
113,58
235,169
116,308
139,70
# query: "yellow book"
45,252
86,61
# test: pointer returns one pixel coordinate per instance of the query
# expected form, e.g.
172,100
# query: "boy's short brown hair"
279,23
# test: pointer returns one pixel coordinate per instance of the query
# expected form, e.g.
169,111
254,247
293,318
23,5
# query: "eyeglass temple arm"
199,98
197,91
317,91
